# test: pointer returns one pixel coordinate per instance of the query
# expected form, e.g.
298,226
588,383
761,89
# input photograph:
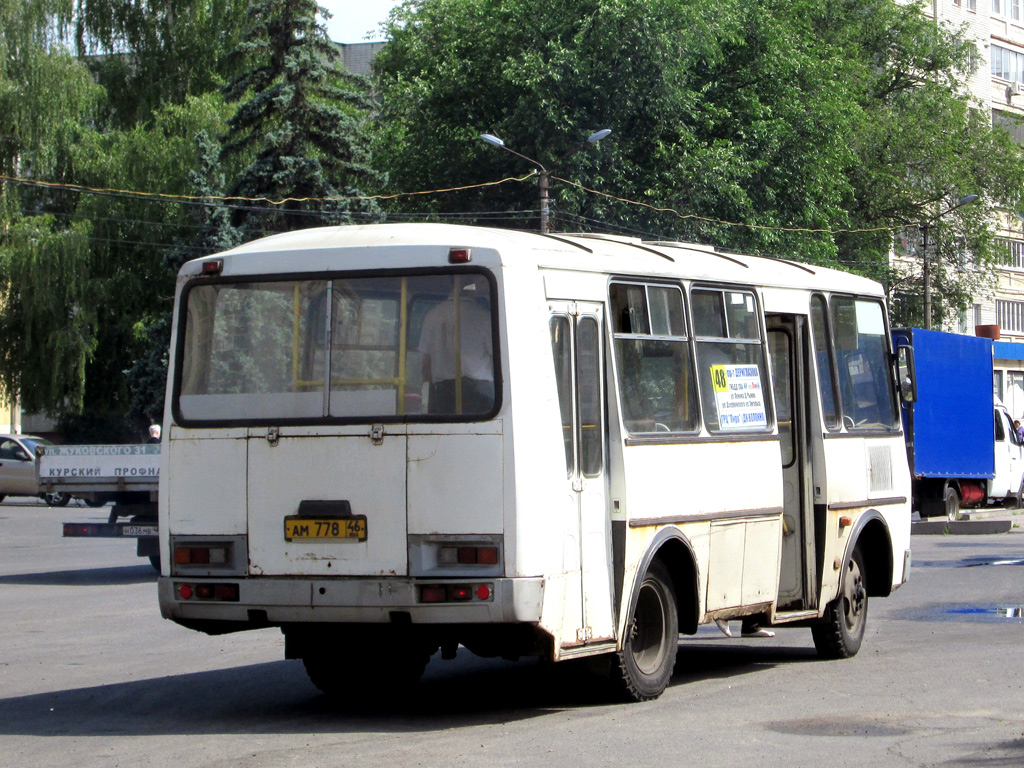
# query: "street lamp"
926,275
542,178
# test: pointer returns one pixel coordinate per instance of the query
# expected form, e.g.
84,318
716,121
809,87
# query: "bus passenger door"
578,349
788,345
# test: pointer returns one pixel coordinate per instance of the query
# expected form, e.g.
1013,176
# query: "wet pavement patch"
976,561
982,613
970,562
816,726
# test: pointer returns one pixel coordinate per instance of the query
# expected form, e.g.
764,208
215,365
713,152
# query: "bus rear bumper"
273,602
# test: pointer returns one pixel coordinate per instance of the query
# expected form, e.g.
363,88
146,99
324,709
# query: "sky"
354,18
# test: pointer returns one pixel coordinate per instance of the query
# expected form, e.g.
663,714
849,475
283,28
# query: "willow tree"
301,121
139,241
47,300
155,52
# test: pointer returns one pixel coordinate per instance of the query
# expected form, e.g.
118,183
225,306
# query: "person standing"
457,346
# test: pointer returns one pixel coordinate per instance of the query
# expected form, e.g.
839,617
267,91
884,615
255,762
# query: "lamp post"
926,273
543,184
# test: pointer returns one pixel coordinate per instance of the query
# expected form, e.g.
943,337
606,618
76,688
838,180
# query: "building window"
1013,256
1009,8
1007,64
1010,315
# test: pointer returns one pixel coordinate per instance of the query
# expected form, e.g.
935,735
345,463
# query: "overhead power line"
220,200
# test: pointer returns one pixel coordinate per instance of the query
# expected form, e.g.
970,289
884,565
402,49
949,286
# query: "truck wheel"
59,499
841,633
642,669
951,504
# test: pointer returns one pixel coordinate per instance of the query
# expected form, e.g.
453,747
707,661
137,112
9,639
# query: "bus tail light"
460,556
193,556
468,555
224,593
456,593
210,554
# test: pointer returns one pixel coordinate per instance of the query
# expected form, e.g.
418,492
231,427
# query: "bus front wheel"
643,668
840,634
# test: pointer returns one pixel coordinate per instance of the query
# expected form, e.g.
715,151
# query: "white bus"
392,439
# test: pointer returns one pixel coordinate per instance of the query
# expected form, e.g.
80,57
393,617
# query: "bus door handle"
577,484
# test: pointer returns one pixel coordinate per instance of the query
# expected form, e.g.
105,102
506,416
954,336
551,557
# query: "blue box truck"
961,443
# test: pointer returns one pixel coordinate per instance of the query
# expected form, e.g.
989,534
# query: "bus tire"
840,634
643,668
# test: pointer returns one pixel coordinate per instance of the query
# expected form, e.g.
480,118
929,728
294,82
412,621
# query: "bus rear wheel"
643,668
840,635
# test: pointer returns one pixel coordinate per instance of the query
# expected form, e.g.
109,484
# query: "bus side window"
823,361
730,360
561,351
655,379
861,346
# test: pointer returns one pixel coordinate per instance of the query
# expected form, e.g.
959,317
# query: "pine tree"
301,121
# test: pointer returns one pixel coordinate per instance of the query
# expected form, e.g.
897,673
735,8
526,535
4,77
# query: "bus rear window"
366,348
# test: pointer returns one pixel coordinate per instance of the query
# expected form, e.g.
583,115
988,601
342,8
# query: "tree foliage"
46,97
827,131
778,116
148,53
127,258
300,120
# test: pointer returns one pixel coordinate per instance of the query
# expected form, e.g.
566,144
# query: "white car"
18,469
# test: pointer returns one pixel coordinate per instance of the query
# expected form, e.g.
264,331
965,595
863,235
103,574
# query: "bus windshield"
383,347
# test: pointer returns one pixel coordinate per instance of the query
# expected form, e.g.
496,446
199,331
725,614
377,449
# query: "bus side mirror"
906,373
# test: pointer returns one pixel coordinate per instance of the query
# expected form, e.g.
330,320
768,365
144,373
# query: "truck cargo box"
949,429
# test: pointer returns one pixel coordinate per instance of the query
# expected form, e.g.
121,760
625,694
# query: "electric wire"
223,200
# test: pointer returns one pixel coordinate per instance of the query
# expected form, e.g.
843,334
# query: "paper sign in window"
739,397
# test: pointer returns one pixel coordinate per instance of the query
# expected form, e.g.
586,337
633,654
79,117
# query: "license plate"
138,530
306,528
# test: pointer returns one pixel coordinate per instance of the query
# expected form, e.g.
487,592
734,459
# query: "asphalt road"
90,675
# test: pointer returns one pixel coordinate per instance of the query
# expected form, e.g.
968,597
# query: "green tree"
139,241
922,144
147,377
148,53
709,106
782,116
47,314
300,123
